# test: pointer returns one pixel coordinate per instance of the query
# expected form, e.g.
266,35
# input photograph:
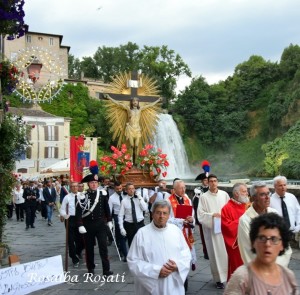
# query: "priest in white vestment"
209,215
260,196
159,257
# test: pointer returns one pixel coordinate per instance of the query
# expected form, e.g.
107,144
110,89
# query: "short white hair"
177,182
279,178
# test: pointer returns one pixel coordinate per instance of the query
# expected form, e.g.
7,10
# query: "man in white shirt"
260,196
161,192
114,203
67,211
131,217
159,257
42,202
291,203
143,192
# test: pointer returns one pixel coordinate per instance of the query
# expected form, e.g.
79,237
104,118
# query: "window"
51,133
28,38
51,41
51,152
22,170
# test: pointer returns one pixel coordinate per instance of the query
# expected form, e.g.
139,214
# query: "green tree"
161,63
89,67
166,67
114,60
13,134
290,61
283,153
250,78
74,67
195,106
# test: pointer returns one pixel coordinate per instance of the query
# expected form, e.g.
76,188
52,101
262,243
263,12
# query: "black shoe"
108,273
32,226
220,285
49,224
206,256
124,259
109,243
27,227
22,219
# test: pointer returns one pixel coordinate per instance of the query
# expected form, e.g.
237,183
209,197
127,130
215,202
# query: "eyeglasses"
265,195
273,240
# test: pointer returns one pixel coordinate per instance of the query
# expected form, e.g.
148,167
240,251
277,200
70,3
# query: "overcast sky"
212,36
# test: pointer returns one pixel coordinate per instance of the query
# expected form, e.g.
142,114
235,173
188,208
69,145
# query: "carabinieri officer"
92,215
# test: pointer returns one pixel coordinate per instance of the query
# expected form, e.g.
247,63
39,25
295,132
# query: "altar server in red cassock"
230,215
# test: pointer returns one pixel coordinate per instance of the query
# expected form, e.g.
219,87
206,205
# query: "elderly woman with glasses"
269,236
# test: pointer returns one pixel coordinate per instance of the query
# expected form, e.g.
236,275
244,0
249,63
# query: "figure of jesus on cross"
140,119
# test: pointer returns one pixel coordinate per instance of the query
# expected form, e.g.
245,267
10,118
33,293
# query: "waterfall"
167,137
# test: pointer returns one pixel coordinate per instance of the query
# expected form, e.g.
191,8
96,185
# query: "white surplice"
151,248
244,239
210,203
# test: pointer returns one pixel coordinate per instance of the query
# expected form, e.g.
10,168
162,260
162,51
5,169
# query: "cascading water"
167,137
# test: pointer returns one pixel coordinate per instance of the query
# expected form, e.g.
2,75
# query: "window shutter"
46,131
56,133
56,153
45,152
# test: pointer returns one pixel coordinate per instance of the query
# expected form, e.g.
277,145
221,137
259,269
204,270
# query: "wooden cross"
133,92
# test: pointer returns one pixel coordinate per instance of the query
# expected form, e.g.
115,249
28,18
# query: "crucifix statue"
135,121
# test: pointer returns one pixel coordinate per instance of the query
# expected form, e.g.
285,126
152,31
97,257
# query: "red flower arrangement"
9,77
151,160
118,163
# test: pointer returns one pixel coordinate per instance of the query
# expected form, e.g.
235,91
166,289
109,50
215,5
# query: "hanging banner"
76,164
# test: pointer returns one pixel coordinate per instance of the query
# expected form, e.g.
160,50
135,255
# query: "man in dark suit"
49,194
92,215
30,196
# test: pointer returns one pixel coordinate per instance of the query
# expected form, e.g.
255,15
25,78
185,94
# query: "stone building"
34,40
49,139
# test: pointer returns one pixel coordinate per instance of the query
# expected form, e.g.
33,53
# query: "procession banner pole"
67,240
115,244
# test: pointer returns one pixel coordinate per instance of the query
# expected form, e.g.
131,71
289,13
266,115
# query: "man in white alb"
209,215
159,257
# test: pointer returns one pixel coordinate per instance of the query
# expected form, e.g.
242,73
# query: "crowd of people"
254,231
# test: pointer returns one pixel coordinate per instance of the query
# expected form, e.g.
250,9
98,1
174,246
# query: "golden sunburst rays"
147,86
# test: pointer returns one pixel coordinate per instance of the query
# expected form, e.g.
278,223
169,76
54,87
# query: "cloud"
212,36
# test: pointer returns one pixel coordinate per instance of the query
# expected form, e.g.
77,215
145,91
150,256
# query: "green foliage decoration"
14,132
283,152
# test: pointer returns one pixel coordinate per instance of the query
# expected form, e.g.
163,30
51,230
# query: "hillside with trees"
247,125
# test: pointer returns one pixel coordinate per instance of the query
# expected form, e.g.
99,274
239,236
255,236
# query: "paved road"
44,241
